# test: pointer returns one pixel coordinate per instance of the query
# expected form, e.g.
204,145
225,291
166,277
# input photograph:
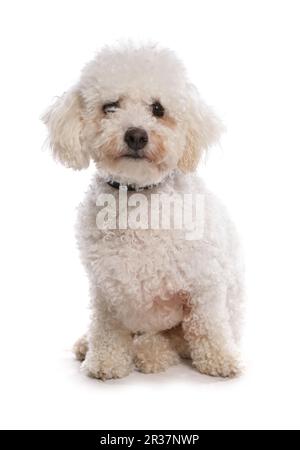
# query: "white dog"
156,295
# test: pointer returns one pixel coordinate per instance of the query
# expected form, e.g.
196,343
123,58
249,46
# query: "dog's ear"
65,124
203,130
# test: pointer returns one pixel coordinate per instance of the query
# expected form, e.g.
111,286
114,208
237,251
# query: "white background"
244,58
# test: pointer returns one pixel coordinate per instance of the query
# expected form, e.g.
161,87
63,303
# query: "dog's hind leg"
80,348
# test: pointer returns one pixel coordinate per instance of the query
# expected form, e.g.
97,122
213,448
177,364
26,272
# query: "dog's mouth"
133,156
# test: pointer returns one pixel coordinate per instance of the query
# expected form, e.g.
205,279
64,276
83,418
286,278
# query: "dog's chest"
161,259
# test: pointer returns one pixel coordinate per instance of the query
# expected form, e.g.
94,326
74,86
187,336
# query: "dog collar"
130,187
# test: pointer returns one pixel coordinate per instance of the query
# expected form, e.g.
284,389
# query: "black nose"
136,138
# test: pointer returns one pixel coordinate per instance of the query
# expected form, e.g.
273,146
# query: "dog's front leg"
208,331
110,352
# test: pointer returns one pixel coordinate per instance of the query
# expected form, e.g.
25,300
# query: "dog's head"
135,114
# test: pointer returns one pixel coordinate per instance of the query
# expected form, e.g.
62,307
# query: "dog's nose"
136,138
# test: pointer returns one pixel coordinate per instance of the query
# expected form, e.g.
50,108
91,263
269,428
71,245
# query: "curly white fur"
145,282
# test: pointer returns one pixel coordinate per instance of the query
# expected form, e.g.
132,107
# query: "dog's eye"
110,107
157,109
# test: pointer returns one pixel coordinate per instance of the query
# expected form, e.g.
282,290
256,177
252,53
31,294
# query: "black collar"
130,187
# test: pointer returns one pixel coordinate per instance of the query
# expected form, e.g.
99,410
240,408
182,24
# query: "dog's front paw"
108,367
211,361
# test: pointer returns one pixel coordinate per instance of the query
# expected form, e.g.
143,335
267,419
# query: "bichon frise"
158,292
